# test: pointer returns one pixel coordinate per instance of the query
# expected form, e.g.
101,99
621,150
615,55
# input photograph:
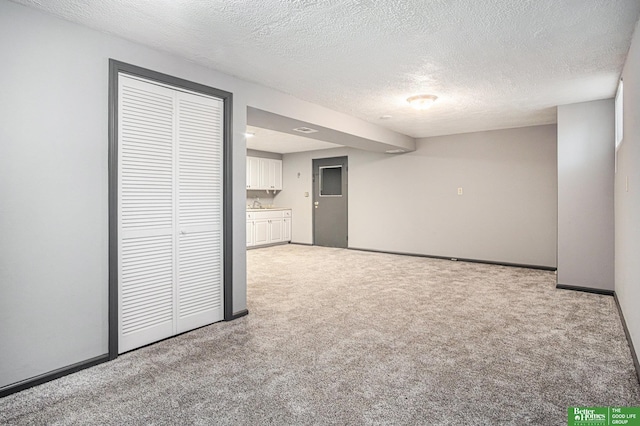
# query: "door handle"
316,203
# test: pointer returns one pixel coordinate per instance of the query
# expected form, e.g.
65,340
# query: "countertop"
264,209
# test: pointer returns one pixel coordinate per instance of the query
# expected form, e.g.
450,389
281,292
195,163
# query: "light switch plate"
460,191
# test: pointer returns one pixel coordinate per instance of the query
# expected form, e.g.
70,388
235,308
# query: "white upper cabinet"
275,174
253,173
264,173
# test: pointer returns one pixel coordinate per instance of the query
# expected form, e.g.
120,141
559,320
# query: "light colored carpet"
338,336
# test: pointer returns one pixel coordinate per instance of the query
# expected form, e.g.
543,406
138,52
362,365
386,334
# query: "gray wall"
585,194
54,188
627,202
296,183
54,182
409,202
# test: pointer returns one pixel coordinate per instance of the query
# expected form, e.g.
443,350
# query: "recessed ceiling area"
492,63
279,123
283,143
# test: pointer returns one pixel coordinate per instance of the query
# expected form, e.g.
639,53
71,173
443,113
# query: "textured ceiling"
493,63
283,143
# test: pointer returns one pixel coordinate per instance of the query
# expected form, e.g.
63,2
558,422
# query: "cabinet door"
260,231
248,171
276,227
286,231
277,175
253,173
264,173
250,236
271,174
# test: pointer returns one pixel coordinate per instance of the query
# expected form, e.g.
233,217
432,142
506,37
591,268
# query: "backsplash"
264,198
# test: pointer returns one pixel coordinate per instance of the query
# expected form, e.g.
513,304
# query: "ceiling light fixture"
305,130
422,101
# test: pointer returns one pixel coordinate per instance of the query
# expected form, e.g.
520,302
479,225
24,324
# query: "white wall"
585,194
409,202
627,201
54,182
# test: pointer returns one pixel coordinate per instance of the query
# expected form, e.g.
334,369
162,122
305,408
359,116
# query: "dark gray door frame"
115,68
330,161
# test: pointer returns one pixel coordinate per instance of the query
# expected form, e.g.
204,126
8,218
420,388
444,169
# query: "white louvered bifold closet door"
170,212
199,211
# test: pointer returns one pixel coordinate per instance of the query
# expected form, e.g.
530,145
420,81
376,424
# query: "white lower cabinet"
268,227
286,229
275,230
261,232
250,233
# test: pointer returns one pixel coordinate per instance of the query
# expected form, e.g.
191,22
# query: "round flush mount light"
422,101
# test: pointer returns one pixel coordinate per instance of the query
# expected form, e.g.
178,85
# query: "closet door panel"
199,175
147,291
146,214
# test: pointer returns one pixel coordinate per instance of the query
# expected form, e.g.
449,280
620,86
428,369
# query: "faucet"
256,204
